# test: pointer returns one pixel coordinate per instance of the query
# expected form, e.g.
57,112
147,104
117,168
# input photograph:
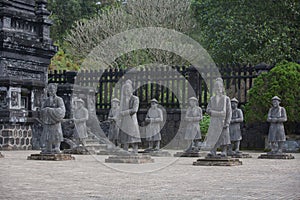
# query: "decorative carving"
14,98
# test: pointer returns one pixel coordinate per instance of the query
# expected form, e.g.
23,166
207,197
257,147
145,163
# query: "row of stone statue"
224,130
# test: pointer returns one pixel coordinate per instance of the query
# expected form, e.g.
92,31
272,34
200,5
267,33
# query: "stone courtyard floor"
88,177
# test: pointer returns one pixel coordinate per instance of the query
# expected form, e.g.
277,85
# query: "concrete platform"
276,156
50,157
132,159
218,162
190,154
171,178
159,153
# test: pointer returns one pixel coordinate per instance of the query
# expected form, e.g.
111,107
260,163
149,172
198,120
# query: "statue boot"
237,147
280,147
230,151
224,151
135,148
190,147
157,147
57,148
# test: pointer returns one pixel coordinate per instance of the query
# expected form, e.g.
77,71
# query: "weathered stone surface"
15,137
218,162
1,156
189,154
159,153
276,156
50,157
241,155
132,159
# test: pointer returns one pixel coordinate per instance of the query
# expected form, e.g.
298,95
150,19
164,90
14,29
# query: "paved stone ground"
88,177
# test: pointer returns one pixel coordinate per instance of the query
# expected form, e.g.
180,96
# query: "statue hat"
78,100
193,98
154,100
234,100
276,98
115,100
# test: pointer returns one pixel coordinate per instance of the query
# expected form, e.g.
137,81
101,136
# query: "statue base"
77,150
130,159
156,153
190,154
240,155
50,157
1,155
276,156
218,162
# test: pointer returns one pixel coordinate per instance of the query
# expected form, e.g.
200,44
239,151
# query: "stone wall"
15,137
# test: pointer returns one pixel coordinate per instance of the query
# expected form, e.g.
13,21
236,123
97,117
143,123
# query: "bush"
204,124
284,81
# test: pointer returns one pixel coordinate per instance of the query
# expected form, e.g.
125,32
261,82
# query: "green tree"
65,13
283,81
249,30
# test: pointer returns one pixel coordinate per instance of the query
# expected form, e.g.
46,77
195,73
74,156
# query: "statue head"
78,103
52,89
234,103
276,101
115,102
219,86
127,89
193,101
154,103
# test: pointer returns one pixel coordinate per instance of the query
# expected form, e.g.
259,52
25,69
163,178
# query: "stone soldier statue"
113,117
219,109
276,117
52,113
129,128
193,116
81,115
154,118
235,127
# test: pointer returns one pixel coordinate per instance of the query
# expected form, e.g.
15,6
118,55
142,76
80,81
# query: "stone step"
96,148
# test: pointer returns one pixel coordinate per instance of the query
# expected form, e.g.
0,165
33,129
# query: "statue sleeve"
228,112
135,106
283,116
269,119
56,114
160,118
240,118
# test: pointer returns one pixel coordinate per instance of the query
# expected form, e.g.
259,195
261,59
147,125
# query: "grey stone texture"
88,177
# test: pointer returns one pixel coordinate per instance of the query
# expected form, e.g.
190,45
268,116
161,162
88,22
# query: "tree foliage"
65,13
249,31
283,81
171,14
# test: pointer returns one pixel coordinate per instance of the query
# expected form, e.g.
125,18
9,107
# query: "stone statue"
276,117
81,115
154,118
235,127
219,109
113,117
52,113
193,116
129,128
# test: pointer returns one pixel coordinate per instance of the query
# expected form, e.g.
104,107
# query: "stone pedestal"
50,157
158,153
131,159
276,156
218,162
240,155
190,154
